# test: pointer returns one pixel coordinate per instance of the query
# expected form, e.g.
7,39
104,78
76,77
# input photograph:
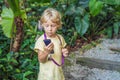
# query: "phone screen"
47,42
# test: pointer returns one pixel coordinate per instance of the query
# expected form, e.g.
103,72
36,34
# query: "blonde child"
51,56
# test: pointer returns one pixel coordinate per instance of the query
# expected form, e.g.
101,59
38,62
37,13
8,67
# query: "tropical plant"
82,19
75,19
95,7
103,19
12,22
113,11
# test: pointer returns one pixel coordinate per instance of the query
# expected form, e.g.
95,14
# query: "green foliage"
82,24
95,7
18,66
112,2
23,15
7,22
109,32
113,31
112,28
116,26
77,23
89,46
4,42
14,5
104,22
8,15
75,20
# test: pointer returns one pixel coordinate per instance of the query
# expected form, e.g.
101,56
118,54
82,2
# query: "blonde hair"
53,15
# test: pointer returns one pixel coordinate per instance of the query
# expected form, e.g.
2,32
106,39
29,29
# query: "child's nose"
50,28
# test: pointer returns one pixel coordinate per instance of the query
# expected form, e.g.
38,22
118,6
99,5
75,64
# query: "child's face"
50,28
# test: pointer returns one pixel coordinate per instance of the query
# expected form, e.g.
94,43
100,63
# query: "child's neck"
51,36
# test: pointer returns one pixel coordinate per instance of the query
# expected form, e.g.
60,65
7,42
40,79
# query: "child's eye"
53,25
47,25
50,25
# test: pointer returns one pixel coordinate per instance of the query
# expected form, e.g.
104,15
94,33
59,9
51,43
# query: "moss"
72,55
89,46
68,62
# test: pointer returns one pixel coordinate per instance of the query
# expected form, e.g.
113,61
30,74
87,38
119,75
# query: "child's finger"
50,45
48,49
63,50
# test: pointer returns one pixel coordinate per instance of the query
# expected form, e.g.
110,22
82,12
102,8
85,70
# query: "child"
51,56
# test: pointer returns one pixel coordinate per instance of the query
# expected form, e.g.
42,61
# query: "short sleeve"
63,41
39,45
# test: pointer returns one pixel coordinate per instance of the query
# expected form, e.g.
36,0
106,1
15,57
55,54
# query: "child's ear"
40,27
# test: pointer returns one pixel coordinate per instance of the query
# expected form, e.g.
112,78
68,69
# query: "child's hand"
65,52
49,48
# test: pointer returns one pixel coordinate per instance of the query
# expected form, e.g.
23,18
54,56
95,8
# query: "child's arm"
42,55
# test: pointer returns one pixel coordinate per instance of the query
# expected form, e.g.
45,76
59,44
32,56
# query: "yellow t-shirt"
49,70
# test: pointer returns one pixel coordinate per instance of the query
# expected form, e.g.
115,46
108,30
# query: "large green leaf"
7,21
78,24
27,73
70,10
112,2
82,24
14,5
116,28
95,7
24,16
80,11
91,4
109,32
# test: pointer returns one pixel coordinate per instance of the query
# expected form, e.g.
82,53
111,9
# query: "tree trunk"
19,34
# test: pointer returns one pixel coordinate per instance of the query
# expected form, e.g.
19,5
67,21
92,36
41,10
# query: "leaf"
78,24
27,73
70,10
84,3
74,37
53,1
17,70
3,59
80,10
25,63
9,56
112,2
14,61
91,4
7,21
14,5
85,24
25,79
95,7
0,51
18,76
1,66
116,28
82,24
24,16
109,32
